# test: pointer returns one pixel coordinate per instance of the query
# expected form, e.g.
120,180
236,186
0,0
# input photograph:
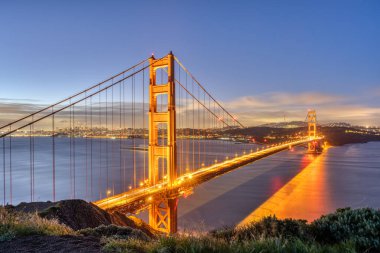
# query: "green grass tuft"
14,224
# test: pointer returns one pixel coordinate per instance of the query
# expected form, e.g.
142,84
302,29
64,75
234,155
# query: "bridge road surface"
139,198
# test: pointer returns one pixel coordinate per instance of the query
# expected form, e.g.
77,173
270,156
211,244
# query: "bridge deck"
139,198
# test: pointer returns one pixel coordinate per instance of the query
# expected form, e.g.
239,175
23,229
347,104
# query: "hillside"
346,230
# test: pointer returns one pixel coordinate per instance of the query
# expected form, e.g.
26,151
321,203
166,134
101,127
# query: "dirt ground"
42,243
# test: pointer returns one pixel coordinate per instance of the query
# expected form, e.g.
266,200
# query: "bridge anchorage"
95,141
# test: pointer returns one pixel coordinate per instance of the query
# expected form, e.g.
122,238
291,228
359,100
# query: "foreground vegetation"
346,230
13,224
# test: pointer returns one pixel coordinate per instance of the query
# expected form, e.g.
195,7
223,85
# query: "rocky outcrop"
79,214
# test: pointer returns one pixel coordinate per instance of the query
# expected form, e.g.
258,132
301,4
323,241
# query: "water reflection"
306,196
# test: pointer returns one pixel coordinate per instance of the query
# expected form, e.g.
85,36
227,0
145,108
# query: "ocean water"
288,184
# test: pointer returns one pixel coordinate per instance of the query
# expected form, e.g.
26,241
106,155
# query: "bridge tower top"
312,129
312,123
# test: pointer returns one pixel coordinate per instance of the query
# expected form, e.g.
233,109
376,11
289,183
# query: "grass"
14,224
206,244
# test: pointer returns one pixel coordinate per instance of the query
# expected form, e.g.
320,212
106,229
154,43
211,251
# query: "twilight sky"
262,59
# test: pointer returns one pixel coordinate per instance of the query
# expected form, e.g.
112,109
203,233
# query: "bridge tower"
163,211
312,129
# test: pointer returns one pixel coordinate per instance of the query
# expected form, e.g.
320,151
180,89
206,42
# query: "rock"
79,214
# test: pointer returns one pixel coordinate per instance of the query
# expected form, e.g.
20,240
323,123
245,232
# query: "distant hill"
297,124
337,124
291,124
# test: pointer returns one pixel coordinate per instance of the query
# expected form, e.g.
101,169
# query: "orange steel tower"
163,211
312,128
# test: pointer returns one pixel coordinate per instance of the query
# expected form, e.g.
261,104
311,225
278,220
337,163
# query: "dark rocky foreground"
79,216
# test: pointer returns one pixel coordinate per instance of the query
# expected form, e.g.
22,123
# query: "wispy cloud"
274,107
251,110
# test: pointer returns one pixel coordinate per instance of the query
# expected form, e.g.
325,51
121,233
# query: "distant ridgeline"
336,134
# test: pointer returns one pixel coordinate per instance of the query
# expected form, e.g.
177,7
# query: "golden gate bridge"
137,140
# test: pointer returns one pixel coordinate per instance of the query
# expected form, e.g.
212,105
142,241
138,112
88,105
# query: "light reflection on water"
288,184
305,196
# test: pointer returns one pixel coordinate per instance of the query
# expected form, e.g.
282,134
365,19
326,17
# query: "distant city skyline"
264,60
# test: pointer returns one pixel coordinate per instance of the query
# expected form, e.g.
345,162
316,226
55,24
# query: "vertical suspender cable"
86,144
74,172
53,142
199,131
120,139
4,177
33,159
193,141
106,139
112,142
71,159
133,131
10,167
188,131
31,163
100,147
91,147
144,139
124,140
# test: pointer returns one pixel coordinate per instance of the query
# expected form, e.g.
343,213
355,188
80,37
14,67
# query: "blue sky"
262,59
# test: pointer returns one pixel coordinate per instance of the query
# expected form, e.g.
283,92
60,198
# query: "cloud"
250,110
273,107
14,100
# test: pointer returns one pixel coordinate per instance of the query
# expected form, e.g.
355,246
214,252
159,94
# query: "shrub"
362,226
268,227
115,232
